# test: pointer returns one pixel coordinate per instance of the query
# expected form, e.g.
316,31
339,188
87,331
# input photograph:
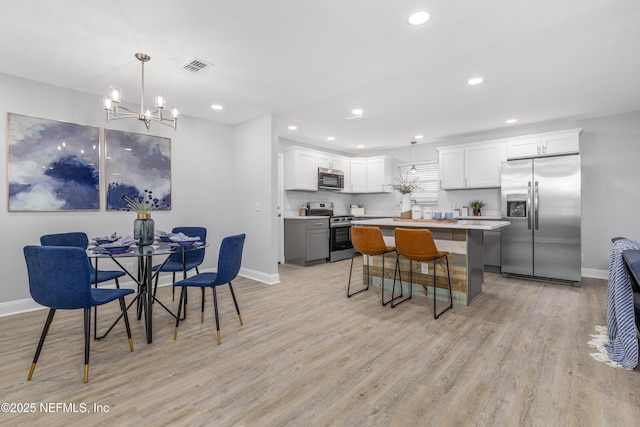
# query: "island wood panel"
454,241
422,283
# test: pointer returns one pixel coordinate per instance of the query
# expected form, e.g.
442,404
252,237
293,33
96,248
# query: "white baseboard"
19,306
595,273
269,279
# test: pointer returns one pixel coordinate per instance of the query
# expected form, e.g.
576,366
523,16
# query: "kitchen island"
463,239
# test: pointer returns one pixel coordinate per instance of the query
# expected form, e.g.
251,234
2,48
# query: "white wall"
254,207
203,156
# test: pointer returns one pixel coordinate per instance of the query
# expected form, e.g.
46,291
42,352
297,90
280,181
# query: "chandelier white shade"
115,111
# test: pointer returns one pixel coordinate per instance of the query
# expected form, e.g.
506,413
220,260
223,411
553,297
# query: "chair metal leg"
436,315
87,340
349,295
123,308
45,331
155,287
235,302
202,307
393,303
182,293
215,307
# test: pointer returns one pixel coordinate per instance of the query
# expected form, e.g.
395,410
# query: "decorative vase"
405,206
144,229
476,212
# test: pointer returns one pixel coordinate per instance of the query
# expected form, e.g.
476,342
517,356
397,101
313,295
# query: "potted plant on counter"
476,206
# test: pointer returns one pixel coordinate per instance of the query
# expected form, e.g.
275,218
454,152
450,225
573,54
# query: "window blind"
428,175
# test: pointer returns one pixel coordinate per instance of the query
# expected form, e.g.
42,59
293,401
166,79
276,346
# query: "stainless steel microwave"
330,179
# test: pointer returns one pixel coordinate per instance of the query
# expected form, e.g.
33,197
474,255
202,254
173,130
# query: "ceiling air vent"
196,65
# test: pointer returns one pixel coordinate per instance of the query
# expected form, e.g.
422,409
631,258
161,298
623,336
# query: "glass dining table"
145,275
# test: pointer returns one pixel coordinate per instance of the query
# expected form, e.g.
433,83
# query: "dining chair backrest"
191,256
77,239
230,258
368,240
416,244
59,276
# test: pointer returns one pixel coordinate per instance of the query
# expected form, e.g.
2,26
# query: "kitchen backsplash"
386,205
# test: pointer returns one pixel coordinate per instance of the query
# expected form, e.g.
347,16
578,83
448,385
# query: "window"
428,177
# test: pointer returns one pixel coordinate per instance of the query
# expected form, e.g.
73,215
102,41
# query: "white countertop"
464,224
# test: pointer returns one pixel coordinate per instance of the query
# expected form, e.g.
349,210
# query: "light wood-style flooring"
309,356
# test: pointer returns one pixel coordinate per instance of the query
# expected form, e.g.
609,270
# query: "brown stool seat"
369,241
418,245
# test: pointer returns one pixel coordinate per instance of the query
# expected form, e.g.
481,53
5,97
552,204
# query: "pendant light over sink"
413,158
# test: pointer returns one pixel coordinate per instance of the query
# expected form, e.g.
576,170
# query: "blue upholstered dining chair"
229,261
192,258
79,239
60,278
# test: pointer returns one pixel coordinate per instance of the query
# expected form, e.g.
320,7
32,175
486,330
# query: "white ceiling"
311,62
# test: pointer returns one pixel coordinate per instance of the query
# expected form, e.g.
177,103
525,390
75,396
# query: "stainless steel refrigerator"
541,199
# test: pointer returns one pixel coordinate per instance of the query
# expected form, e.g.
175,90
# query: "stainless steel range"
340,246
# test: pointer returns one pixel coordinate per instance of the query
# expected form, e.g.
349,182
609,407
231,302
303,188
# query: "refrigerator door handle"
536,200
529,205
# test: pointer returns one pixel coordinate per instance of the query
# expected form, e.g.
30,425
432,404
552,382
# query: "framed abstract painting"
137,166
52,165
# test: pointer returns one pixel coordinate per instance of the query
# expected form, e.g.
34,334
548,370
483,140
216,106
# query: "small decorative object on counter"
476,206
143,225
405,187
302,211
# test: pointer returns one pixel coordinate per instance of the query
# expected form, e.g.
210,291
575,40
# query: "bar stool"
418,245
369,241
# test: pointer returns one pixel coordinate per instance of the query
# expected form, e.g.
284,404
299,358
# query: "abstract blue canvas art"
137,165
52,166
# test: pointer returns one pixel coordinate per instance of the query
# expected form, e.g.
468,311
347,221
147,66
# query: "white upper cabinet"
358,175
523,147
544,144
361,174
471,166
564,143
329,161
379,174
370,175
482,165
452,168
300,170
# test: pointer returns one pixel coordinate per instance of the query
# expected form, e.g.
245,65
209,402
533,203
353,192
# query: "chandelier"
115,111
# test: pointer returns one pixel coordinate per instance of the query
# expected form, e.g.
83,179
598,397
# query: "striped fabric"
623,342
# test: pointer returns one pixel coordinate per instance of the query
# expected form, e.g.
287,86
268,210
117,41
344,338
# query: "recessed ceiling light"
418,137
510,121
293,127
331,138
475,81
360,146
216,107
357,111
418,18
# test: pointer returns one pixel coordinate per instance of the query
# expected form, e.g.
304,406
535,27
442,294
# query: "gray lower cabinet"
306,241
492,248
